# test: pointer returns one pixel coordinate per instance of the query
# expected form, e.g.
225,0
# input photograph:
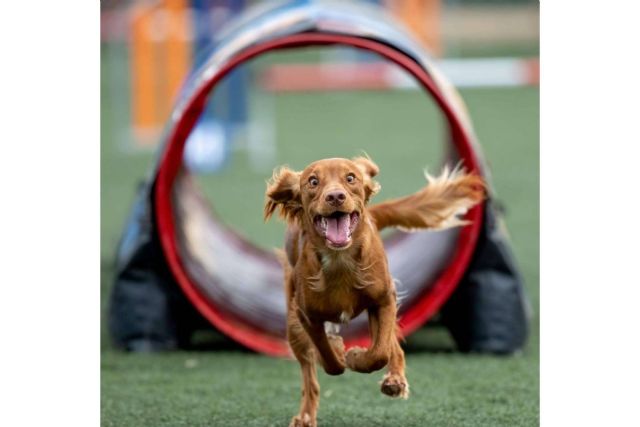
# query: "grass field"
238,388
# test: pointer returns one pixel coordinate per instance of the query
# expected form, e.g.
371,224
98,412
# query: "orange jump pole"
144,78
422,17
177,49
160,59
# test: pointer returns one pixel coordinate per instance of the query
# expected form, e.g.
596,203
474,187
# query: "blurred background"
293,108
296,107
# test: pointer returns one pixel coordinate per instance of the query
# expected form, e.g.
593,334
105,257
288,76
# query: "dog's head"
329,196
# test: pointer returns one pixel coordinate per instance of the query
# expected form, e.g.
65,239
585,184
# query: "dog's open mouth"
337,227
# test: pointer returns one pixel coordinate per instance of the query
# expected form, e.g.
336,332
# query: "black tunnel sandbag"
489,312
165,244
147,310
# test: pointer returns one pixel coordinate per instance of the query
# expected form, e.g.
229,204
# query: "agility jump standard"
176,255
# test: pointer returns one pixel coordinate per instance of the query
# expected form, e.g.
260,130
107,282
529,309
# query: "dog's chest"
334,304
335,294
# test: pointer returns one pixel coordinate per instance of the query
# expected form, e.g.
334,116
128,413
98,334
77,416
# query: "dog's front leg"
383,321
303,350
394,383
332,363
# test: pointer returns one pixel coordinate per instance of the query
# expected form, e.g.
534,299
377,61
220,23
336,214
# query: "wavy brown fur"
283,193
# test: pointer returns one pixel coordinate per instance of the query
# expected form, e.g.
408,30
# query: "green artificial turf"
232,387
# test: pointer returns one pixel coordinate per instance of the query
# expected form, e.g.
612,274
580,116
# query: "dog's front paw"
338,347
362,360
303,420
395,385
353,358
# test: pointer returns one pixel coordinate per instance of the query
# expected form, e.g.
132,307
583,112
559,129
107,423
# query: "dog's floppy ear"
369,170
283,192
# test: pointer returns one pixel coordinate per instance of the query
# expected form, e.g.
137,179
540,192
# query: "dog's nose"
335,198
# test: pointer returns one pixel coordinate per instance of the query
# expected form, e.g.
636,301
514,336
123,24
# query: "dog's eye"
313,181
351,178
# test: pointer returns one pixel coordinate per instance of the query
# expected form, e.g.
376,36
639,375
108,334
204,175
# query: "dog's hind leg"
304,352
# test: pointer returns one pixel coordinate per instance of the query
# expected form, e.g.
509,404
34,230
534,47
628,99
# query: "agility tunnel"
178,265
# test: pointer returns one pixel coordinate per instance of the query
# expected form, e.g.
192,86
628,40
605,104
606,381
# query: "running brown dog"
336,267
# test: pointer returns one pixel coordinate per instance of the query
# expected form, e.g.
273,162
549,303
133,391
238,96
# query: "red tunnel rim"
171,161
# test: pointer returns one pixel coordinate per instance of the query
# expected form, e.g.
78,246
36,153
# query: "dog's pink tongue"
338,229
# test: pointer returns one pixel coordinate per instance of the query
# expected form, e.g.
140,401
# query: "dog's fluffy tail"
440,204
